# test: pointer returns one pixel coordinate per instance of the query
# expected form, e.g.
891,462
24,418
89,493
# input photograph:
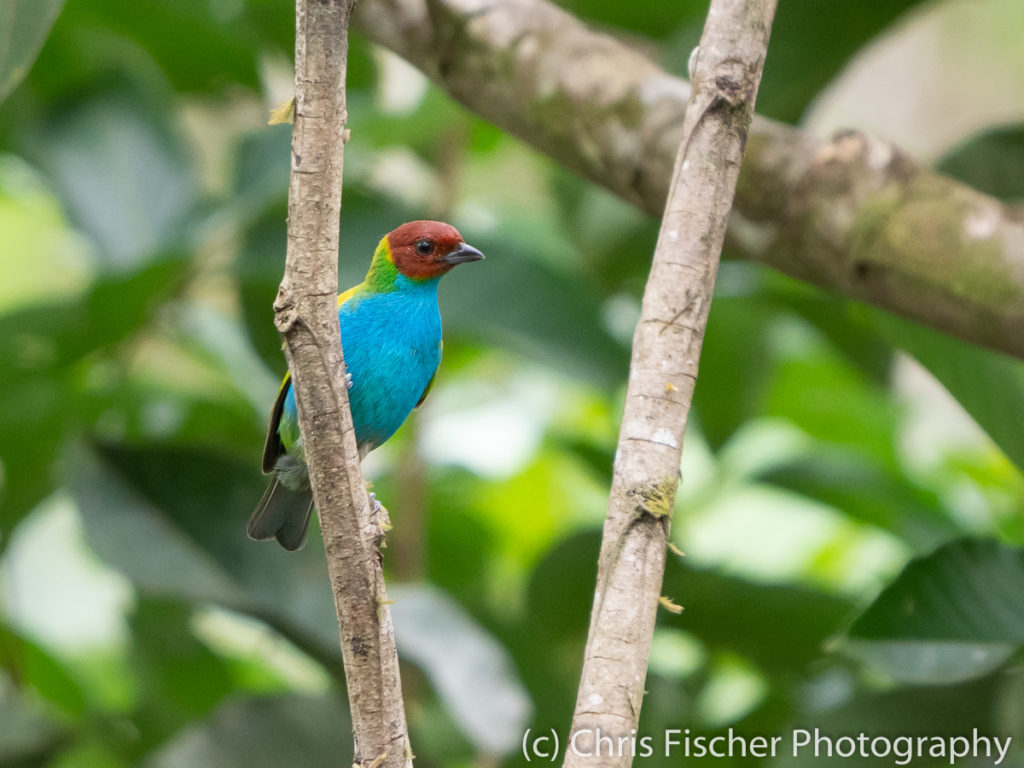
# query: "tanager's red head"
426,249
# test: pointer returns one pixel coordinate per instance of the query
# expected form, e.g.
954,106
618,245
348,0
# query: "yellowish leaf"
283,113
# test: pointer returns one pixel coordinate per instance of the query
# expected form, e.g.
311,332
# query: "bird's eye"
424,246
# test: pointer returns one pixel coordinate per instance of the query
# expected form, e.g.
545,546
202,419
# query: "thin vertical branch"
306,315
663,373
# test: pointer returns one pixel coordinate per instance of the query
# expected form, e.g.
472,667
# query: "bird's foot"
380,521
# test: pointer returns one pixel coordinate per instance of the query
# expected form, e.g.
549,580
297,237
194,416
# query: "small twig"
306,315
666,349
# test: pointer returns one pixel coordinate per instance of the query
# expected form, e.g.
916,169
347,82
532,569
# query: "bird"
391,342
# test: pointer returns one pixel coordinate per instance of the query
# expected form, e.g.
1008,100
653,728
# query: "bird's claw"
379,520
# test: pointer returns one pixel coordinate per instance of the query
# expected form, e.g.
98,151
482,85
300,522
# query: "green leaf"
184,538
262,162
27,661
420,130
27,734
515,300
953,615
196,49
131,535
435,632
311,731
286,589
43,348
97,751
782,628
779,627
838,320
259,265
31,222
989,385
602,238
992,162
30,443
451,522
735,366
908,712
180,679
867,491
561,588
655,20
827,34
24,25
122,172
832,400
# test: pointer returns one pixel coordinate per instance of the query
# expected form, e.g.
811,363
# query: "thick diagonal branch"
854,215
662,375
306,314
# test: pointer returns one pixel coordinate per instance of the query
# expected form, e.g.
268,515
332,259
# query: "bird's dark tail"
282,514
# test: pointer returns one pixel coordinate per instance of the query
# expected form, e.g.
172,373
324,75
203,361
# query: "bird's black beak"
462,254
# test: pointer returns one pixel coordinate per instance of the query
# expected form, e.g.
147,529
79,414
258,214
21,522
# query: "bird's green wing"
273,448
426,390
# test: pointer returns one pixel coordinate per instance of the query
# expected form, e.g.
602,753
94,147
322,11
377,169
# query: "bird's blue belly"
392,347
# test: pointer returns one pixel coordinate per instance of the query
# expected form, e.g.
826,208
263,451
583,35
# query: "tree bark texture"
854,215
663,371
306,314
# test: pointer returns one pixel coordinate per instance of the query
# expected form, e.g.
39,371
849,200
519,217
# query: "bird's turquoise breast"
392,347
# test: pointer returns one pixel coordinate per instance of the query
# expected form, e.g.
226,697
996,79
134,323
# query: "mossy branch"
854,215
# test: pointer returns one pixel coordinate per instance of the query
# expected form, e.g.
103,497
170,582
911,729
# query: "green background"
851,537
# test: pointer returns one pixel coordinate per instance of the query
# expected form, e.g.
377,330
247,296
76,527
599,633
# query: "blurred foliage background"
852,508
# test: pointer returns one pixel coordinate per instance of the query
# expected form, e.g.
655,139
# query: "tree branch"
854,215
306,314
663,372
